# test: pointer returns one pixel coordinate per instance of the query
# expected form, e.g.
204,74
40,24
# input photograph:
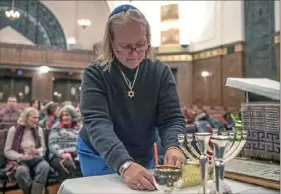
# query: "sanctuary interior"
45,45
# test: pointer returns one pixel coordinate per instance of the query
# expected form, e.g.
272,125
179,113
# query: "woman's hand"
175,157
66,156
138,178
26,157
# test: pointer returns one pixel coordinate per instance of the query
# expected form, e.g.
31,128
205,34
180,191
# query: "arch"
37,23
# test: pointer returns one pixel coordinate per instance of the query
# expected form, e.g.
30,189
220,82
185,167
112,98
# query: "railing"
25,55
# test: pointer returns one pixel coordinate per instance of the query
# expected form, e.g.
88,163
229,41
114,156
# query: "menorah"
213,151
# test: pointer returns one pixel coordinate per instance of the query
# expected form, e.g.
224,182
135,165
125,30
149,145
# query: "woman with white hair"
25,150
62,143
125,97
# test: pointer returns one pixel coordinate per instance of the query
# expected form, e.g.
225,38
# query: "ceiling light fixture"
44,69
84,23
12,14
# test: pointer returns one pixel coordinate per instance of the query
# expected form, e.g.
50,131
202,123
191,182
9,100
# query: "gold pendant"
131,93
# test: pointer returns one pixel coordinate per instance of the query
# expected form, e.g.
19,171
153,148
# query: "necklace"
131,92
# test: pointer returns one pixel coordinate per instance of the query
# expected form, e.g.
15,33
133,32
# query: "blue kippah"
120,9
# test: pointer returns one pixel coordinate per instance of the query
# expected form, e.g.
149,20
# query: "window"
66,90
18,86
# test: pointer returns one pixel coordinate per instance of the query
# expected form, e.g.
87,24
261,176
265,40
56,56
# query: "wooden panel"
253,180
232,67
207,91
68,58
184,80
13,54
32,56
42,86
9,55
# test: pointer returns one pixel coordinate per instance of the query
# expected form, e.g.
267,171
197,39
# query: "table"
114,184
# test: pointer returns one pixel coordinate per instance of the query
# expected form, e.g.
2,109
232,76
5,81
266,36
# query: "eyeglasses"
129,50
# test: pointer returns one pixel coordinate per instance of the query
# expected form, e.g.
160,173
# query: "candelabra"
211,151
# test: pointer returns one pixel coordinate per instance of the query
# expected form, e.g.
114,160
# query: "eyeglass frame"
131,49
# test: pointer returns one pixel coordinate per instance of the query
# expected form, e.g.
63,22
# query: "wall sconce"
84,23
205,74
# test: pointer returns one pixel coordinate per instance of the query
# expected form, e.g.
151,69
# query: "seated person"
206,123
10,114
52,110
25,149
62,144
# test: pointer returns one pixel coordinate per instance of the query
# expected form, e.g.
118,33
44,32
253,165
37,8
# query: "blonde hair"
105,50
22,120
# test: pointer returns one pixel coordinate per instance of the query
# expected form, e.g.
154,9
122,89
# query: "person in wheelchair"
62,144
25,150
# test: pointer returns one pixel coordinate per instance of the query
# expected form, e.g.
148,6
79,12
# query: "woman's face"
130,43
66,118
32,119
78,113
35,104
57,112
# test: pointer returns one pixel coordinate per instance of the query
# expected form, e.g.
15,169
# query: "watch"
124,167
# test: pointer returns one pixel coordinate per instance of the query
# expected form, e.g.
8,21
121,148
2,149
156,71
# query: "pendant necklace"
131,92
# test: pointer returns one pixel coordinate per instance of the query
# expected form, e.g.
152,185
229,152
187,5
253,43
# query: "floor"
52,190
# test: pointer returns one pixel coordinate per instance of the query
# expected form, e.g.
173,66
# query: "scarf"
73,125
18,138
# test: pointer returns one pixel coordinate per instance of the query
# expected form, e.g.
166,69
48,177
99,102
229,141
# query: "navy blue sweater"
121,128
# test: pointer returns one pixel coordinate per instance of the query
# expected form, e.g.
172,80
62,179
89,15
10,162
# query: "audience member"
79,116
66,103
62,143
10,114
52,111
42,112
35,104
25,149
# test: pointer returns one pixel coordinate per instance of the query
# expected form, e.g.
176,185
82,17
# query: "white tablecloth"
114,184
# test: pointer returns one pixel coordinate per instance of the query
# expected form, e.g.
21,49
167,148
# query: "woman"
25,149
125,96
62,143
79,116
35,104
52,111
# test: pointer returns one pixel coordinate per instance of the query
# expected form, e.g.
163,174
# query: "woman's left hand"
175,157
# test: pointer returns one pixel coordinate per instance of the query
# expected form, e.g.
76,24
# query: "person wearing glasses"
125,97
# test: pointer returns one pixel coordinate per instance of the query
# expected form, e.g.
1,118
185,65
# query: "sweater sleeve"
42,142
170,121
53,143
8,151
97,121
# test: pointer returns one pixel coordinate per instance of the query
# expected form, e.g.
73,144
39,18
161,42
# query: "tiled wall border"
218,51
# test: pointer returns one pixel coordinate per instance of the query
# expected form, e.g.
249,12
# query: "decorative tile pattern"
262,121
224,50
